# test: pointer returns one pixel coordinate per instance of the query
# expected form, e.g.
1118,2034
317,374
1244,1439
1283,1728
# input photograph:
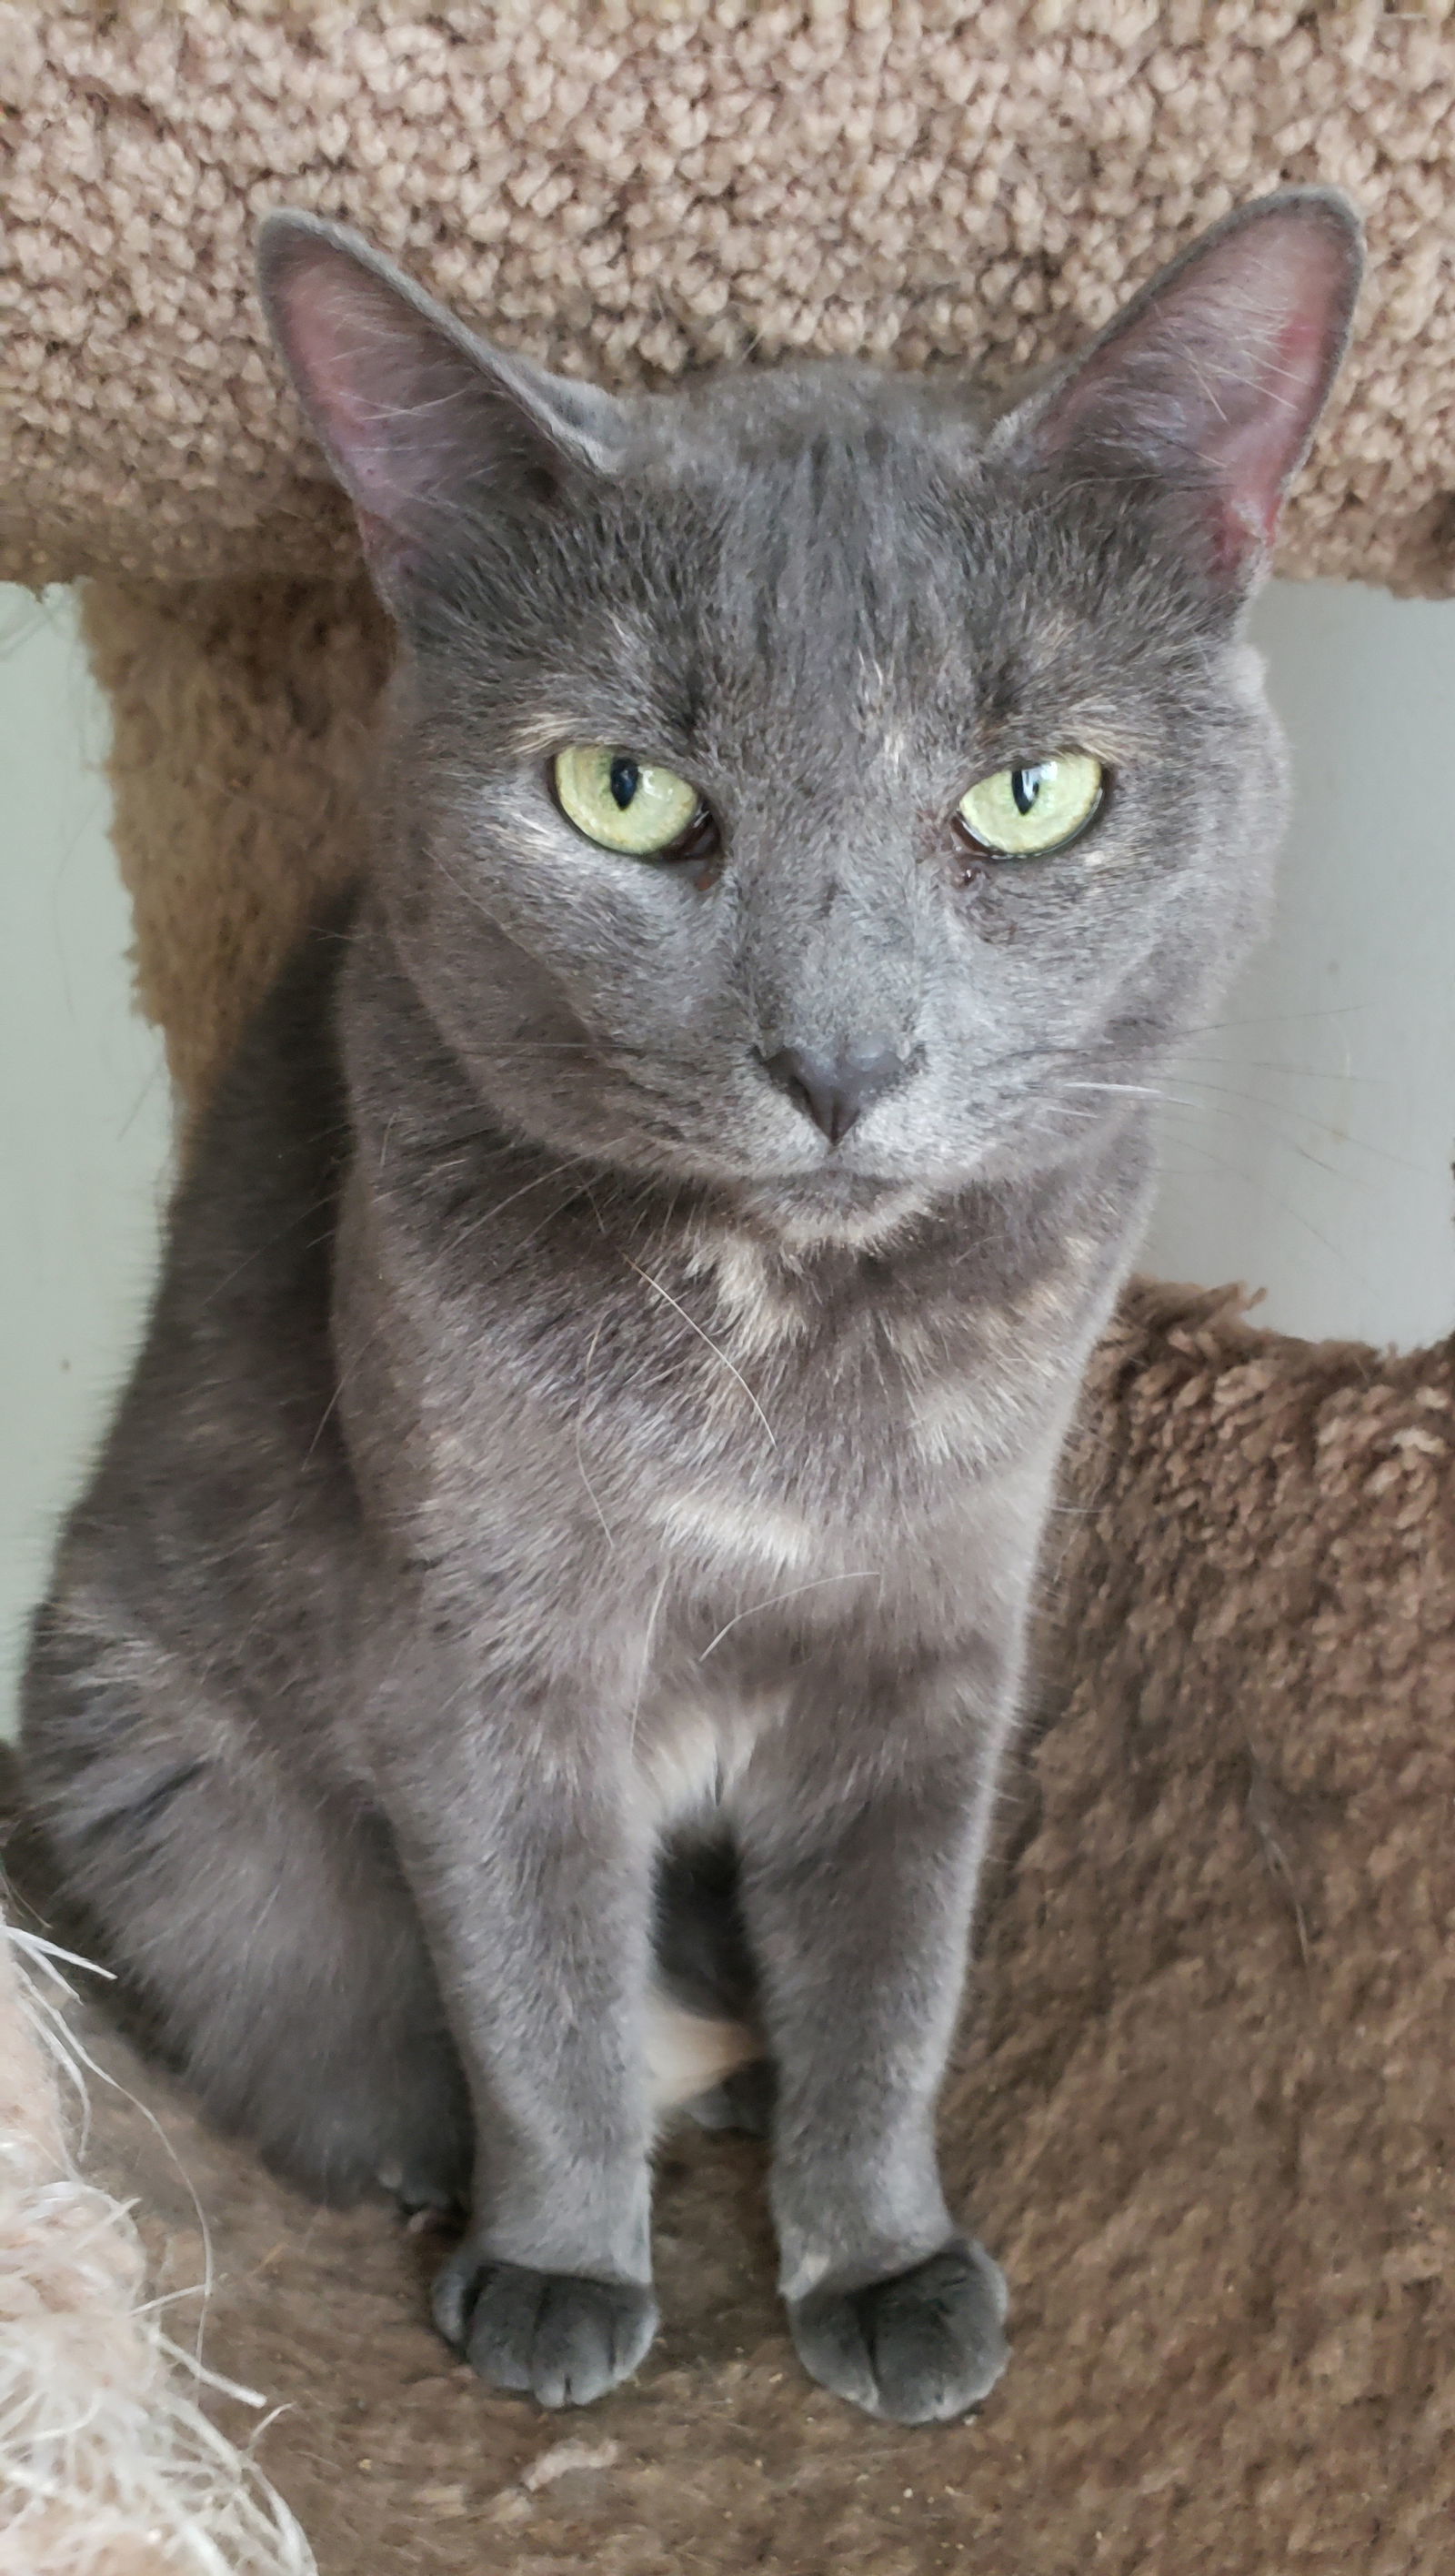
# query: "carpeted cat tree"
1203,2107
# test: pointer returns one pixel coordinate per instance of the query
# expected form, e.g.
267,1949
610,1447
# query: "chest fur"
711,1414
785,1441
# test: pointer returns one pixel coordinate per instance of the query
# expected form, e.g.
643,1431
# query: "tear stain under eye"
996,928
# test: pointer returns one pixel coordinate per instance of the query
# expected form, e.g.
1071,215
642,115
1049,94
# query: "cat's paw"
562,2339
919,2348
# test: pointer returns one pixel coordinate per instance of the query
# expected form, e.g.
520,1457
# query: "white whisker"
692,1323
862,1574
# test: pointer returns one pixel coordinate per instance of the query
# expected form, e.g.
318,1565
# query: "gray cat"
546,1624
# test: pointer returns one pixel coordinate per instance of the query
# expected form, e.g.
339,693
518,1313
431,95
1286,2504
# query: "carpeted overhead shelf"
631,187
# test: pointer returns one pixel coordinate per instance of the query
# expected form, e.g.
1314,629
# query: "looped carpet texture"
632,187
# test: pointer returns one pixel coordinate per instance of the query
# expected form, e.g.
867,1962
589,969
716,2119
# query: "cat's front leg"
534,1887
858,1904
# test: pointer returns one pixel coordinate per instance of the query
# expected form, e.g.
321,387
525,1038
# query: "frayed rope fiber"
108,2465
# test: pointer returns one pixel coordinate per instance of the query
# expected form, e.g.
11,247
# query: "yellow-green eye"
622,802
1027,812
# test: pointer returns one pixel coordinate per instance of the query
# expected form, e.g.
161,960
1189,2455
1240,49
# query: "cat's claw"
552,2335
919,2348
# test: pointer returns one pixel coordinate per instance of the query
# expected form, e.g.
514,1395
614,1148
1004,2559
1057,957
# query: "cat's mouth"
831,1205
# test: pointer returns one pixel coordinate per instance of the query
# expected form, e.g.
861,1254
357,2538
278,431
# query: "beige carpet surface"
631,187
1203,2108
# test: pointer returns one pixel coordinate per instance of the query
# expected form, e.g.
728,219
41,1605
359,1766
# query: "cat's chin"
829,1206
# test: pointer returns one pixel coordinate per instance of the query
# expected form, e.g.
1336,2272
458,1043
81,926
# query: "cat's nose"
835,1090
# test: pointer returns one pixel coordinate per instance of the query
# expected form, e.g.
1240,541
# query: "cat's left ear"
1211,381
420,420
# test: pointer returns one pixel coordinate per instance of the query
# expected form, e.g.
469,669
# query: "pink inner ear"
1219,372
395,401
1261,457
352,362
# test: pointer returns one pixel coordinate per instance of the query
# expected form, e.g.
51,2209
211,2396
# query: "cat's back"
225,1423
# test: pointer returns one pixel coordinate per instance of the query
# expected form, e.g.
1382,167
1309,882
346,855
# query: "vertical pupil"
1026,785
625,779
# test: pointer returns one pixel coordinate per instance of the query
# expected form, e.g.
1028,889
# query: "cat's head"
811,781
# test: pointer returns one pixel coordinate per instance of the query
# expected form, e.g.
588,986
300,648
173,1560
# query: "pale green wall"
1311,1157
84,1112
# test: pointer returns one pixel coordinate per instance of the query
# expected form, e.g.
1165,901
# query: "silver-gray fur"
579,1497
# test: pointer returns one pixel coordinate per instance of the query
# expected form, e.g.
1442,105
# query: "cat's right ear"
419,419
